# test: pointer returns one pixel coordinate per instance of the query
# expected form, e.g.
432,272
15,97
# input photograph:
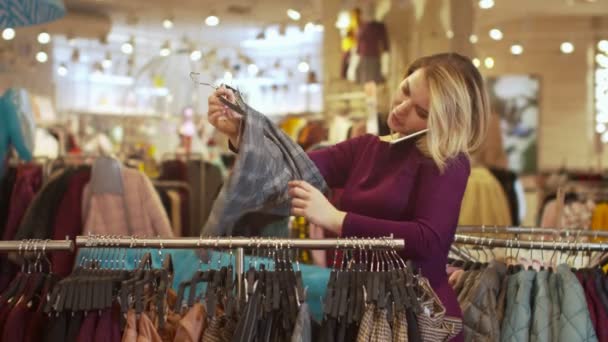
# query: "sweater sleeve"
437,206
17,138
335,162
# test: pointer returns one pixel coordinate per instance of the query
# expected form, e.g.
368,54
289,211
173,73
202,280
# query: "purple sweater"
394,189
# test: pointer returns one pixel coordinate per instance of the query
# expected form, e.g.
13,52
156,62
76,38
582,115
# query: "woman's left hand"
309,202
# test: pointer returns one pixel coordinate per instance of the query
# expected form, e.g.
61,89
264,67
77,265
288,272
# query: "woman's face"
410,107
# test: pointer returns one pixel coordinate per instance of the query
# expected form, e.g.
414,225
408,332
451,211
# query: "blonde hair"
459,107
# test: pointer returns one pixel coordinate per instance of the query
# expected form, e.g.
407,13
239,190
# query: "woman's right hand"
223,118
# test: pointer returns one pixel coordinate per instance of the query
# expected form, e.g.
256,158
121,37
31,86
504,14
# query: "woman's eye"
422,113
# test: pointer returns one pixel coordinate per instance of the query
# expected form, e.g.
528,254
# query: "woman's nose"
403,107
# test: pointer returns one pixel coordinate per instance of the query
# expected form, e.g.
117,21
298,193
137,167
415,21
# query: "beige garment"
484,201
146,332
192,326
130,333
138,211
176,212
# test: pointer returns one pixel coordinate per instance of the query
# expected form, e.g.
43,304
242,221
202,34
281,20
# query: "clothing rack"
531,244
36,245
531,231
238,243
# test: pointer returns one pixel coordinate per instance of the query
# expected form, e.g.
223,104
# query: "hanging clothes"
16,125
484,201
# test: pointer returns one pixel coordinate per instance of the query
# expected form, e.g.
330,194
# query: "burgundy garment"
372,39
593,299
103,331
87,330
395,189
36,327
185,209
175,170
590,304
27,184
16,323
69,221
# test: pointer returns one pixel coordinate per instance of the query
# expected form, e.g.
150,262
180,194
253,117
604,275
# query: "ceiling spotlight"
603,45
8,33
486,4
489,62
449,34
293,14
196,55
42,57
128,46
44,38
107,61
473,39
165,49
168,24
476,62
62,70
212,20
252,69
567,47
309,27
517,49
496,34
303,67
319,28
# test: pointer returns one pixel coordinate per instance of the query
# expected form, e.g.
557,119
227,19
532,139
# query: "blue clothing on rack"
186,262
16,126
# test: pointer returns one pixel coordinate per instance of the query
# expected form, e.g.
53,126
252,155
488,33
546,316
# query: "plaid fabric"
267,160
213,333
367,324
382,330
400,327
434,325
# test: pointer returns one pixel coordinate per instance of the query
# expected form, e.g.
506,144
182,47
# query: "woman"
412,189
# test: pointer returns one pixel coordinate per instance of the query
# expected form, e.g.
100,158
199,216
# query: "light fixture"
567,47
600,128
309,27
168,23
196,55
252,69
8,33
212,20
343,21
603,45
128,46
473,39
165,49
319,27
44,37
517,49
476,62
449,34
62,70
486,4
107,61
496,34
489,62
42,57
303,67
294,14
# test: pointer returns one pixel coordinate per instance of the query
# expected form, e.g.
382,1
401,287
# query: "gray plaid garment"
267,160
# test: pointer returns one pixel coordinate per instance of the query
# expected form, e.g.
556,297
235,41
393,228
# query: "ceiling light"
293,14
473,39
196,55
486,4
8,33
517,49
489,62
42,57
303,67
168,24
476,62
603,45
252,69
600,128
212,20
343,21
165,49
62,70
127,47
107,61
449,34
567,47
496,34
319,28
44,38
309,27
602,60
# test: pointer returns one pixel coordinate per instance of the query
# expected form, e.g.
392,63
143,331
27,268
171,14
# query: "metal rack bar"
236,242
531,231
36,245
530,244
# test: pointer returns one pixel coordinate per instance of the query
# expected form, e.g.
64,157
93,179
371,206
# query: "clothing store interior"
310,170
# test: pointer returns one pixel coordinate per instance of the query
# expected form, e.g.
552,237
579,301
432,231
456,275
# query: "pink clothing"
138,211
